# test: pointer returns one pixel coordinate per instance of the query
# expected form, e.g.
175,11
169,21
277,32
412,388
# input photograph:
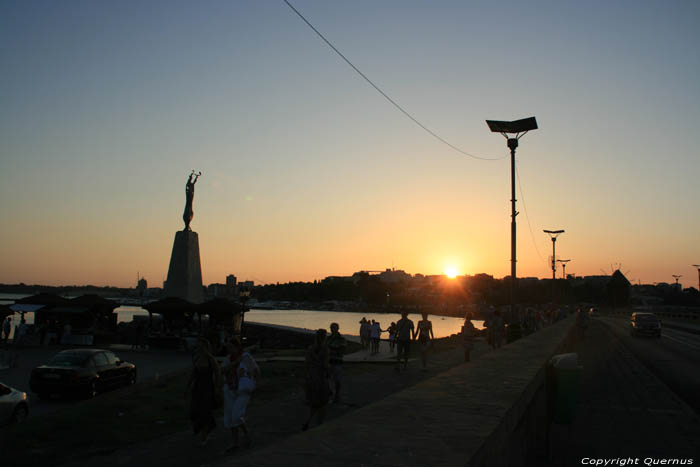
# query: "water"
349,322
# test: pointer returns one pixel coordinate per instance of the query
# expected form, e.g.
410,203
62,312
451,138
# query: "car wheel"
92,389
20,414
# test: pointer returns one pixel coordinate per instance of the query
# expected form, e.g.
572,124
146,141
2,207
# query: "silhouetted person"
6,329
468,332
336,349
240,375
392,336
364,333
375,335
425,336
404,333
203,385
317,389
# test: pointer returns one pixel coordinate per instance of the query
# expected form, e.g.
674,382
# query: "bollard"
564,380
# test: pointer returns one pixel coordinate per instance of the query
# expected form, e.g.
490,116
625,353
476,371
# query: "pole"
554,258
512,144
563,266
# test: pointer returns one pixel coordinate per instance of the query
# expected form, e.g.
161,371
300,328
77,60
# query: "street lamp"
677,276
563,266
553,234
698,268
519,128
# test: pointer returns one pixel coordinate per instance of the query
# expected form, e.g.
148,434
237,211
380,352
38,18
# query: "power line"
527,217
392,101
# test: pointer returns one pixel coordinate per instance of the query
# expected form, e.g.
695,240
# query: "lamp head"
516,126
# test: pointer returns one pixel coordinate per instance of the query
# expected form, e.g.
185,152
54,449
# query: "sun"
451,272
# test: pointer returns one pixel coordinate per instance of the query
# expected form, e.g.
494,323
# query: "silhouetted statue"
189,196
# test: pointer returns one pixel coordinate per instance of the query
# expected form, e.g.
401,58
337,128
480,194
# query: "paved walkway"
624,410
273,421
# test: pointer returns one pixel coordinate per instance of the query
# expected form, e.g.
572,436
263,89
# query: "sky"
106,107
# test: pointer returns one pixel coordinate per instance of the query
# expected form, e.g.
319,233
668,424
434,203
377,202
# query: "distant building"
141,287
231,281
394,276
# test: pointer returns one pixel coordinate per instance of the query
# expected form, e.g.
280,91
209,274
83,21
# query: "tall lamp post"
553,234
697,266
518,128
563,267
677,276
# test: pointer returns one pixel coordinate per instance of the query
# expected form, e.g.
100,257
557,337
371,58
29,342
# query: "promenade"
489,412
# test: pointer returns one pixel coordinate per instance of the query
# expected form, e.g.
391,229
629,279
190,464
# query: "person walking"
425,336
317,388
392,336
499,329
6,328
364,333
67,336
21,335
203,388
375,335
468,332
336,349
404,333
241,373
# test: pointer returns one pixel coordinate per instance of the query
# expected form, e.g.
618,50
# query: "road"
674,359
149,363
625,409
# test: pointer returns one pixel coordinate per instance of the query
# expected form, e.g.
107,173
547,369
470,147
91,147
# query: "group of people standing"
231,384
370,335
324,372
401,333
212,385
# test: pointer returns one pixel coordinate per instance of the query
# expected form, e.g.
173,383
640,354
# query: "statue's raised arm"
189,197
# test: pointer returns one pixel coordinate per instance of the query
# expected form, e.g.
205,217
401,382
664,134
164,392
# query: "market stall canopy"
93,301
170,305
37,302
68,310
26,307
44,299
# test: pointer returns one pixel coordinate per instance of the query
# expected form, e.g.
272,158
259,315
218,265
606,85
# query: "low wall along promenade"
489,412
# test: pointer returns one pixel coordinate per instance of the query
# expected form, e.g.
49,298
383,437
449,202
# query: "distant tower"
142,286
231,286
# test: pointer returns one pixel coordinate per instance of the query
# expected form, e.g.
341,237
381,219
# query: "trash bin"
565,380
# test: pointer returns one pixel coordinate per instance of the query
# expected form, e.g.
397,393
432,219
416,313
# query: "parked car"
645,324
13,405
81,372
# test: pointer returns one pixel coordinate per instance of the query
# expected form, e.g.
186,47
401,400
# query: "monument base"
185,271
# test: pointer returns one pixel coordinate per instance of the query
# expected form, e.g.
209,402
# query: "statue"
189,196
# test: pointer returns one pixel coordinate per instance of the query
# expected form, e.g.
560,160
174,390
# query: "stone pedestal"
185,272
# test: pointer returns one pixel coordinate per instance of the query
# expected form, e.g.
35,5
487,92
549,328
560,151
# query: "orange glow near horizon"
451,272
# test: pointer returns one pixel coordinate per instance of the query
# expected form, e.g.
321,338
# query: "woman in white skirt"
241,372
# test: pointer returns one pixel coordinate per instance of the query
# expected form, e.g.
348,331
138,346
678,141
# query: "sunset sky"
105,108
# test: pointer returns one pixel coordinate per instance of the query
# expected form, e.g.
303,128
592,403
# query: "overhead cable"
378,89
